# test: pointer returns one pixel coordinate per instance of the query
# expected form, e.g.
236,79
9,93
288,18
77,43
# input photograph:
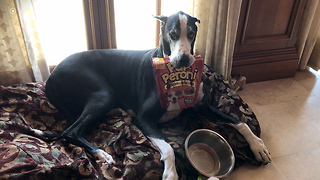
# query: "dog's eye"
190,35
173,36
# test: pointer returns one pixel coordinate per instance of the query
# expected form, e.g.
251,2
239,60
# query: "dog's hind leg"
96,108
68,114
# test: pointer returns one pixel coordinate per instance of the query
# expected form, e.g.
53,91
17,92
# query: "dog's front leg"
147,121
256,144
151,131
167,156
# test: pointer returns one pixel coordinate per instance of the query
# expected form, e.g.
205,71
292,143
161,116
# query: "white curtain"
217,32
22,59
309,37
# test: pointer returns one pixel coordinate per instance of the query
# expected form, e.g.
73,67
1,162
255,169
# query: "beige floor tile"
269,92
248,98
249,172
317,122
310,81
285,129
302,75
289,114
309,106
301,166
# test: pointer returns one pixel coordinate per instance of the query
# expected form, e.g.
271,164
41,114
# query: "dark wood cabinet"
266,39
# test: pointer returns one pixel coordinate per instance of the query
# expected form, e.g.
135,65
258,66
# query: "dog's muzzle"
174,100
184,60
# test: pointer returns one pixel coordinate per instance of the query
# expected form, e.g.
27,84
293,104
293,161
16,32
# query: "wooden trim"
51,68
88,7
107,24
243,37
158,12
266,65
265,56
267,71
294,21
100,24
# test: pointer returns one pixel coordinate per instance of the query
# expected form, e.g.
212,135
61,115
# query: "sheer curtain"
217,32
309,38
22,58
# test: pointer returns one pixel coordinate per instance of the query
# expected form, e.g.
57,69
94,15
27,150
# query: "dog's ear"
162,18
195,19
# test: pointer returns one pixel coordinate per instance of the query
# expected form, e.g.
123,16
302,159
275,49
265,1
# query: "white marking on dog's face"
181,47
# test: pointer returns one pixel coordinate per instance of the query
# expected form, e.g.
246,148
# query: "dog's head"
178,34
174,96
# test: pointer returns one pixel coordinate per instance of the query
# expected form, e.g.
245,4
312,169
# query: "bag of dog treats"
177,87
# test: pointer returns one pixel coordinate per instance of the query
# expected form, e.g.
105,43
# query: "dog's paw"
103,157
256,144
260,151
170,175
213,178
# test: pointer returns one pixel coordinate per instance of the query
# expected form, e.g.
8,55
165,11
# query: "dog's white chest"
169,115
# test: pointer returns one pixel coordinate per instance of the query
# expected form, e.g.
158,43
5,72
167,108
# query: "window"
169,7
61,28
135,25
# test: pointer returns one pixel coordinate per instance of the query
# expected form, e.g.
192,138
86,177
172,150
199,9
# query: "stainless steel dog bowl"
209,153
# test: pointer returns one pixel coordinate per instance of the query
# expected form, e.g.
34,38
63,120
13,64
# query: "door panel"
266,18
267,25
267,29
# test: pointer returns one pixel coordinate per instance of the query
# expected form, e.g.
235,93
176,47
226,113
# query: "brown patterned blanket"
24,156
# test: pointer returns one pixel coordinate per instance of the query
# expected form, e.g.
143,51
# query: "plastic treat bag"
177,87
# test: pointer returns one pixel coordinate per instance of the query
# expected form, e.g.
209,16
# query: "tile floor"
289,114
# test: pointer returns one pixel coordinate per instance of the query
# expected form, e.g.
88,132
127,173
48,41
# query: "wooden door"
265,46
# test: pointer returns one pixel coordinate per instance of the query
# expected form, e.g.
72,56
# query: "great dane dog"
87,85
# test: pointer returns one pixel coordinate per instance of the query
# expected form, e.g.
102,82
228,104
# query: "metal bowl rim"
211,131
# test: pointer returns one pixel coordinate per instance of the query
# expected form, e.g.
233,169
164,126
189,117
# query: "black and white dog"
87,85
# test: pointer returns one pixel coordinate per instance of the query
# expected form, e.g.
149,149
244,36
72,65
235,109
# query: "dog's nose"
184,60
174,100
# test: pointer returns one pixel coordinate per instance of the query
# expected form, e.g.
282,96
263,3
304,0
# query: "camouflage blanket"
24,156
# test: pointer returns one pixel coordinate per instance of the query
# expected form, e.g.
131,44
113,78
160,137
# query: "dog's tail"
52,136
46,136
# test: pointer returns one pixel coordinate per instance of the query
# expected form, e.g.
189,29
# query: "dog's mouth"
182,60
